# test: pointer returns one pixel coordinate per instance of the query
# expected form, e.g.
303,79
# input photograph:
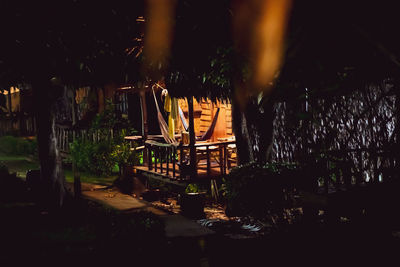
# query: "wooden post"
147,148
145,130
173,161
155,157
208,162
9,102
181,155
221,160
225,158
160,155
192,138
167,158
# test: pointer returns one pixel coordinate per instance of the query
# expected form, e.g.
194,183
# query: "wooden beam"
143,108
145,130
9,101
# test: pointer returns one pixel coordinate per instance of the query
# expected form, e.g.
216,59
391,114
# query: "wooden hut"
204,154
16,111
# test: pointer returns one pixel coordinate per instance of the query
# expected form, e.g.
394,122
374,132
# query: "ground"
93,231
21,164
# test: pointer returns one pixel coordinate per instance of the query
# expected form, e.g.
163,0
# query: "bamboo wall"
358,127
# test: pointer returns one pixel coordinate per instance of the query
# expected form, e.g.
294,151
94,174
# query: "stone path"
175,225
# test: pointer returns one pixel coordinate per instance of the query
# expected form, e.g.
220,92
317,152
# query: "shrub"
93,157
192,188
12,188
8,145
12,145
101,157
258,190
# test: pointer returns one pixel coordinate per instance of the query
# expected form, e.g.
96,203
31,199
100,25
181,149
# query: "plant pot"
192,205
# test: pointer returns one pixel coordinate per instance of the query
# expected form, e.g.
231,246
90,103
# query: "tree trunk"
192,137
253,128
75,171
52,178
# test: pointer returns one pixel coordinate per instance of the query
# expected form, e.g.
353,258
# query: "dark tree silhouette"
65,43
330,47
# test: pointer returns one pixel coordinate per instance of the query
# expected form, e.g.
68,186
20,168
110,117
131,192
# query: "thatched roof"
201,28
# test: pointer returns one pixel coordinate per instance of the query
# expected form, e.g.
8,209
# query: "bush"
259,190
12,188
101,157
93,157
12,145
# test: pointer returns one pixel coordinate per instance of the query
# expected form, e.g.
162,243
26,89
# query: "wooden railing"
351,183
161,153
64,135
17,124
342,170
163,158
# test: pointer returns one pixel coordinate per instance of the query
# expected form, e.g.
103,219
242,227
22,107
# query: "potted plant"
192,202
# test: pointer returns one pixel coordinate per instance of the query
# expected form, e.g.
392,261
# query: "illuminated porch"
171,162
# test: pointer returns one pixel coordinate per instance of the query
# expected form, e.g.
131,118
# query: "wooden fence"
17,124
65,136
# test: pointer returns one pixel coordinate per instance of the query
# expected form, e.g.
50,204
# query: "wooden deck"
170,162
201,172
166,174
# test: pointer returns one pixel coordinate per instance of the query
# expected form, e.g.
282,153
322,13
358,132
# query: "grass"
86,231
90,178
21,164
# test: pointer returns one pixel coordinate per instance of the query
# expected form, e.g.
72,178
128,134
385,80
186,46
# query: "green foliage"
122,153
258,190
110,150
98,157
192,188
109,119
221,69
11,145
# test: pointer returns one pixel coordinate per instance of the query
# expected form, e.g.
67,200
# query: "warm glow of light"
267,41
126,88
259,30
159,28
140,19
12,89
